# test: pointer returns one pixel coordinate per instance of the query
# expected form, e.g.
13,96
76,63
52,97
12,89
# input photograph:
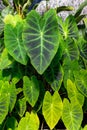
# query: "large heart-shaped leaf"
41,38
31,89
74,93
68,28
72,115
52,108
29,122
13,39
4,103
81,81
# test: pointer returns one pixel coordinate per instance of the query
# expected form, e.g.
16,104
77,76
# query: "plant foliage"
43,67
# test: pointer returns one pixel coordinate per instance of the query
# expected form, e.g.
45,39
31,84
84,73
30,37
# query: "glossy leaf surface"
41,38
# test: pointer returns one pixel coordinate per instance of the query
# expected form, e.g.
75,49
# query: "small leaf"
29,122
70,49
74,93
41,39
52,108
5,61
21,106
72,115
4,104
68,28
9,89
31,89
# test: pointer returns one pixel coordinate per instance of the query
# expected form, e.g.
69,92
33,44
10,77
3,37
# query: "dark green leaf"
41,38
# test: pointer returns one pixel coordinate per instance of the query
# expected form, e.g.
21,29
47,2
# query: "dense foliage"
43,68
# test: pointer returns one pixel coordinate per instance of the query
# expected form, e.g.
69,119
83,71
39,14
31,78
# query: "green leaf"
21,103
29,122
9,89
31,89
4,104
81,81
70,49
74,93
72,115
54,75
13,40
13,96
69,67
41,38
5,60
52,108
39,102
68,28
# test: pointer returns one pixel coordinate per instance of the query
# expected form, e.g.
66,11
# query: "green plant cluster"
43,69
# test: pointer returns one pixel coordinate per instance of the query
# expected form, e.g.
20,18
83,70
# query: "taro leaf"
39,102
11,123
12,91
68,28
54,75
13,39
5,60
29,122
31,89
69,67
74,93
81,81
9,89
72,115
41,38
21,103
52,108
70,49
4,103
